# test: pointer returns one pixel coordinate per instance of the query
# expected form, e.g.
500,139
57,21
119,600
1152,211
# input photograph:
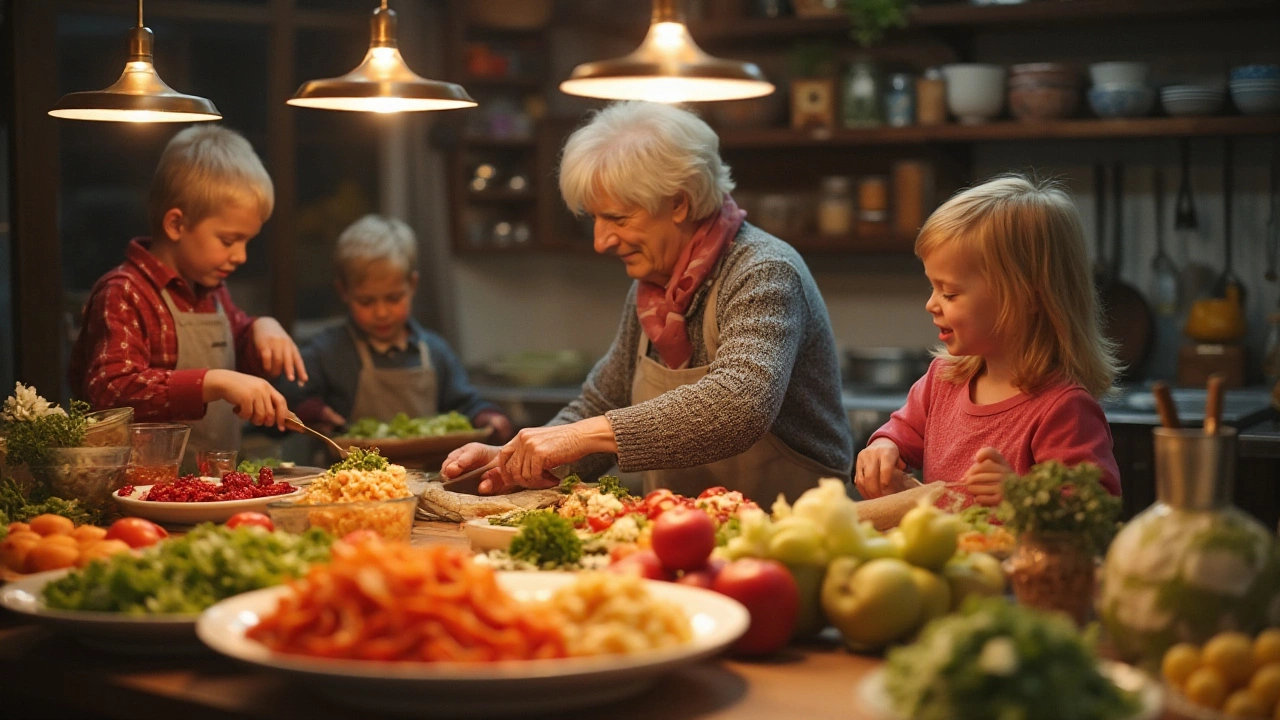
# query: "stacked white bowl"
1120,89
1255,89
975,92
1192,99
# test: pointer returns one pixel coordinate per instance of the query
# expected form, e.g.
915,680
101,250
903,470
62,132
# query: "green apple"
810,620
929,536
880,546
973,574
935,592
797,541
871,603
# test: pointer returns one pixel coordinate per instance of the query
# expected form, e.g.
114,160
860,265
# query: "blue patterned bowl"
1121,100
1256,72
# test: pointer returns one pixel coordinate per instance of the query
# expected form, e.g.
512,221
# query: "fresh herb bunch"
1054,498
32,426
995,659
360,459
871,18
546,540
252,467
16,507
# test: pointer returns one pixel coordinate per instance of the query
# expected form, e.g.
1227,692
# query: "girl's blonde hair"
641,153
371,239
1028,240
203,168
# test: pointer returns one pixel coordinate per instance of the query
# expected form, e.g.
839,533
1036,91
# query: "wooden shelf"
885,242
1004,130
501,195
494,142
481,82
965,15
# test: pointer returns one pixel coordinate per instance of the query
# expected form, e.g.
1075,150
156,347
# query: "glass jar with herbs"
1063,518
861,106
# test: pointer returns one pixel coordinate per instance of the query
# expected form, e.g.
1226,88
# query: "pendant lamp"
668,67
139,95
383,83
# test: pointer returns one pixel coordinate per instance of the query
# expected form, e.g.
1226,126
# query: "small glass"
157,452
216,463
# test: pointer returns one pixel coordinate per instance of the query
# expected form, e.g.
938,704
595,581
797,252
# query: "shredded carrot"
388,601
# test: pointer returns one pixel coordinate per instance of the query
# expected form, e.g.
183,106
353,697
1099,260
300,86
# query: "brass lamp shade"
382,83
138,96
668,67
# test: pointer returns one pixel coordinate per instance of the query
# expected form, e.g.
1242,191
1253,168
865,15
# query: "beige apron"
383,392
205,341
761,472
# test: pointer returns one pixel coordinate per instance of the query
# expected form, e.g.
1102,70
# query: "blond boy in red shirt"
160,333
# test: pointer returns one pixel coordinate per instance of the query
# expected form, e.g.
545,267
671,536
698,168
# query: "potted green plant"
872,18
31,427
1064,519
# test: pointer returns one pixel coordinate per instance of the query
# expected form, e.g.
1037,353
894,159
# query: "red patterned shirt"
128,344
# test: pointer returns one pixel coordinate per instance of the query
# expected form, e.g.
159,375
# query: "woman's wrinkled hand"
985,477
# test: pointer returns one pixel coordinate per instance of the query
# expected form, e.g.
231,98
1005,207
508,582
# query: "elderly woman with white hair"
724,370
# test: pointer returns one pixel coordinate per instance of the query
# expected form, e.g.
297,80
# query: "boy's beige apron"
760,472
383,392
205,341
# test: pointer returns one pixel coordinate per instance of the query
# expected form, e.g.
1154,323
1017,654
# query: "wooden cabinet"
502,156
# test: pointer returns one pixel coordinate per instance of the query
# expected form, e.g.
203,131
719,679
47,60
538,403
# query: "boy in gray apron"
160,332
381,361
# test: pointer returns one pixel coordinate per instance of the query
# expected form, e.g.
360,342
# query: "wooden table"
56,676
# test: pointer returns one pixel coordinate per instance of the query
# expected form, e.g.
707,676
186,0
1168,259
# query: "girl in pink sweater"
1025,358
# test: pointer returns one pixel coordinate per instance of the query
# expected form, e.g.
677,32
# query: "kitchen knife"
468,483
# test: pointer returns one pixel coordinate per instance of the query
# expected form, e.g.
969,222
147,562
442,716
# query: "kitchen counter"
1133,406
1261,440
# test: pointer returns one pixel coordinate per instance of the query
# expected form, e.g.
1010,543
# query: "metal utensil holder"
1194,470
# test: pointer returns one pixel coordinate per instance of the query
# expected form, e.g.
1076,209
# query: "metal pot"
885,368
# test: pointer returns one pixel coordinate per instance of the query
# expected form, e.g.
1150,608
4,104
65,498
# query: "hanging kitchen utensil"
1196,278
1164,273
1273,223
1129,320
1185,208
1228,277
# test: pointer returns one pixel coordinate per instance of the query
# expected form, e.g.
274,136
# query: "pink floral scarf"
662,310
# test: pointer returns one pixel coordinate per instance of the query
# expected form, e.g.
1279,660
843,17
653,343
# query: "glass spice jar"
931,98
861,108
835,206
873,199
900,100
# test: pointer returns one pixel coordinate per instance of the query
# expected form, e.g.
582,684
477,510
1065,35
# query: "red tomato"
136,532
642,563
683,538
705,576
250,519
713,491
770,594
599,523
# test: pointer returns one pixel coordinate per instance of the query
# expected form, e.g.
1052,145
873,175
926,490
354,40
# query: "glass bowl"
157,452
392,519
87,474
108,428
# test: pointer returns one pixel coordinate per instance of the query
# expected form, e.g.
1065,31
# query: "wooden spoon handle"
1213,404
293,422
1164,405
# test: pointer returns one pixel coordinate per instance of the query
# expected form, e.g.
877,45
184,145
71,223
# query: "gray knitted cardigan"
777,369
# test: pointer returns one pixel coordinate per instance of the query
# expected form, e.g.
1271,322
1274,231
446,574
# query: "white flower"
999,657
26,404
